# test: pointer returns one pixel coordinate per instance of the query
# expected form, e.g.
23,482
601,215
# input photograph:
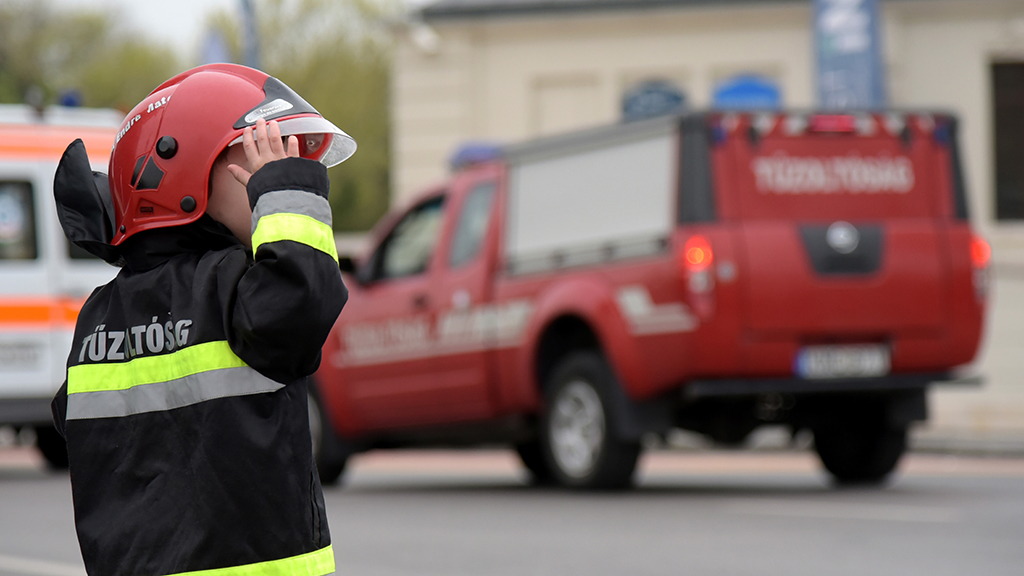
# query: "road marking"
878,512
16,565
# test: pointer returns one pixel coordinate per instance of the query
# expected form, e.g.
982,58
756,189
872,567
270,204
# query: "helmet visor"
319,139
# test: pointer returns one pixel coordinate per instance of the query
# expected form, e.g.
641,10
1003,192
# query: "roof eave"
441,11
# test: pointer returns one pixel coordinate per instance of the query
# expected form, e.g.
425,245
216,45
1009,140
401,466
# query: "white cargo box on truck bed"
592,196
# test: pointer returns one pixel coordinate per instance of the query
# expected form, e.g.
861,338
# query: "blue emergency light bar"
474,153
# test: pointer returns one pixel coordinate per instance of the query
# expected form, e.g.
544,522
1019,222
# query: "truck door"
26,306
387,366
462,300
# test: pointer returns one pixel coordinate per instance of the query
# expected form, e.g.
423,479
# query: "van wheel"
579,432
864,454
329,453
53,447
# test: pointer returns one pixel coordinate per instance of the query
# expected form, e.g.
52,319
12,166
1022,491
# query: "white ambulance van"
43,279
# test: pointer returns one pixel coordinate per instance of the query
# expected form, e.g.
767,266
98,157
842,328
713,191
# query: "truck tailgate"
893,281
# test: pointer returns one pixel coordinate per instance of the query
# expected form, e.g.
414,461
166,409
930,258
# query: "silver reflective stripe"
192,389
292,202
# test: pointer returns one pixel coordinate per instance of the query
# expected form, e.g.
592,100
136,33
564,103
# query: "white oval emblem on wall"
842,237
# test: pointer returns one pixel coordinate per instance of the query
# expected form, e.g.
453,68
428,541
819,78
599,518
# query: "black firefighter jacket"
185,408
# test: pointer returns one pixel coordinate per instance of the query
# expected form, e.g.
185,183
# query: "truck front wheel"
862,454
579,432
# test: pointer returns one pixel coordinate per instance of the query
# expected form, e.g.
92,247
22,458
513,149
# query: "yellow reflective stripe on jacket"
312,564
152,369
296,227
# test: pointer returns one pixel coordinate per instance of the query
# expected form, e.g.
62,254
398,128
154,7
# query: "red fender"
593,301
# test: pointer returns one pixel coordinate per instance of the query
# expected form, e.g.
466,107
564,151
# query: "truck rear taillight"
981,252
697,254
695,260
841,123
981,256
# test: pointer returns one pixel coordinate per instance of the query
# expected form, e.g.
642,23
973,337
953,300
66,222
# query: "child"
185,404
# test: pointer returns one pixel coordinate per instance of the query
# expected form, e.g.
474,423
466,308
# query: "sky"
177,23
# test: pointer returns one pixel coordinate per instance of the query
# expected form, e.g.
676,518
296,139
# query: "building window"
1008,94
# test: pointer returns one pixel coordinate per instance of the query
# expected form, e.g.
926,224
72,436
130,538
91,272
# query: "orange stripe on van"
39,313
43,142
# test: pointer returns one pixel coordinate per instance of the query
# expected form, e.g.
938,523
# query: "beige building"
509,70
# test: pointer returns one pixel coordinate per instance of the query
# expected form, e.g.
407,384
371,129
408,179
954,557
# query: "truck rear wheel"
53,447
579,432
328,451
864,454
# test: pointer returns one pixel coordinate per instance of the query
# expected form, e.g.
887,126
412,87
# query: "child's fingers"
240,174
249,145
262,140
276,144
293,147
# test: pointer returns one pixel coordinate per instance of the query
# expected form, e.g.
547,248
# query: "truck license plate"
843,361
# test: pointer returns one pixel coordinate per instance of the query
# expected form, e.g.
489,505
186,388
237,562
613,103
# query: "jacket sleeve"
288,300
59,408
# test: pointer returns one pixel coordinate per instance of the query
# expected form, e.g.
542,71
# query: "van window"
17,222
469,233
408,248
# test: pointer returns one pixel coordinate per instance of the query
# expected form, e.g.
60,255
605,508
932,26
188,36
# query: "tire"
860,454
53,447
579,434
329,453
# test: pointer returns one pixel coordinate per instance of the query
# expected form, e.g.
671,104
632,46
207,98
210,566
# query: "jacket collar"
150,248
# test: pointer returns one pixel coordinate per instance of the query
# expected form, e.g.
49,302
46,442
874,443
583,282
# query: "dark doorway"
1008,95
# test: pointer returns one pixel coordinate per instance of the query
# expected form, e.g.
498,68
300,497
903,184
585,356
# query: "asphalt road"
701,513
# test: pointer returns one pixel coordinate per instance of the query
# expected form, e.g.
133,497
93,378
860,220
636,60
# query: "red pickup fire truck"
712,272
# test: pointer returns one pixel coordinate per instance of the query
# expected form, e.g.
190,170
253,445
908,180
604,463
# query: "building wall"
506,80
509,79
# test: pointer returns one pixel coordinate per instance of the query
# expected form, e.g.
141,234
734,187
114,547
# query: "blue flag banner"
747,92
215,48
250,36
846,35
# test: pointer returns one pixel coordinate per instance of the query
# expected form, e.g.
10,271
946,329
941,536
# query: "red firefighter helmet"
162,156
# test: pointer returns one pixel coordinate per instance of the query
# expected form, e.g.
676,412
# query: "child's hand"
267,146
